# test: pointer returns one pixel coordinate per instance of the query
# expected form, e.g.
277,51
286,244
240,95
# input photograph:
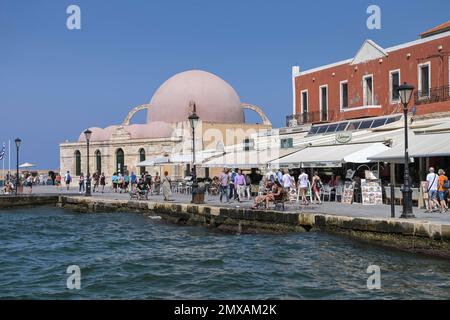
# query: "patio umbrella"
27,165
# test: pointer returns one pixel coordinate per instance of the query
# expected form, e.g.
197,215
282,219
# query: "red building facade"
365,86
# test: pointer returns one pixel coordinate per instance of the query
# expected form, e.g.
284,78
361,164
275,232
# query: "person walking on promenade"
58,181
239,182
167,186
81,183
126,182
95,178
68,180
316,187
303,183
115,181
280,177
157,183
103,181
29,182
224,180
432,181
443,185
232,187
133,180
286,181
248,186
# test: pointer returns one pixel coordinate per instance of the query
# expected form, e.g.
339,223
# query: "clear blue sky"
55,82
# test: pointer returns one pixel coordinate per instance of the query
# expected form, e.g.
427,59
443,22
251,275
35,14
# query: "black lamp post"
405,91
17,141
88,134
193,120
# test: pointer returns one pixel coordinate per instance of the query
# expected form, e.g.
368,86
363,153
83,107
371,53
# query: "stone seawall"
27,200
409,235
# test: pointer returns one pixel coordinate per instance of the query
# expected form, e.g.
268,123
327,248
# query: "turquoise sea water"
129,256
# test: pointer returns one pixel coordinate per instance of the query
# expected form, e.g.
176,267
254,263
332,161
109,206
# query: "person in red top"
442,192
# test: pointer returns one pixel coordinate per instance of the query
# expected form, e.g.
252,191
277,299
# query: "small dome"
97,135
152,130
215,99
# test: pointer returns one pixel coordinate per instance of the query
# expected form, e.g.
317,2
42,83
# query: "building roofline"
388,50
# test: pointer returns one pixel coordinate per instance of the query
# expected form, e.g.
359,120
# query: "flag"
3,151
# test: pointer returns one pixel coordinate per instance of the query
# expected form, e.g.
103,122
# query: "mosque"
167,133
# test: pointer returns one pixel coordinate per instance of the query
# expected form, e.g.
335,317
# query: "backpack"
68,178
446,184
319,184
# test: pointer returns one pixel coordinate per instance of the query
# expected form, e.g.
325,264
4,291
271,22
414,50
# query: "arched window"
77,163
141,158
120,161
98,161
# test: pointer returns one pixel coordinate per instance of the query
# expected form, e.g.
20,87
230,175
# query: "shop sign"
343,137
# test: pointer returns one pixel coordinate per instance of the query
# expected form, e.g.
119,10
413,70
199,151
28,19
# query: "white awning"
153,162
329,156
246,159
362,156
420,146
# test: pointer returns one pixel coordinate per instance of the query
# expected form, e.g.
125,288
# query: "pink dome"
215,99
97,135
152,130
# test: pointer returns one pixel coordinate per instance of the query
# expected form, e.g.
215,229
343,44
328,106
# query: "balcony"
308,117
433,95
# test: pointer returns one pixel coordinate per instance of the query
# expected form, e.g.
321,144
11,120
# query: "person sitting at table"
275,194
142,187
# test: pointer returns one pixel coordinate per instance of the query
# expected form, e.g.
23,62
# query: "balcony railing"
433,95
308,117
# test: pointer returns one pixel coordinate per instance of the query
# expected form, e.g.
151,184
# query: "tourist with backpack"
443,186
68,180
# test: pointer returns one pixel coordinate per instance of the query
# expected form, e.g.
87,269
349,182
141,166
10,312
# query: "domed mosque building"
168,133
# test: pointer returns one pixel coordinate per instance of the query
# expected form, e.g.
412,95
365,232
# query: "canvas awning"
27,165
420,146
246,159
330,156
154,162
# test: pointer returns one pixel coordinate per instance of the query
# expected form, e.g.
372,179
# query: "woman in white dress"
167,187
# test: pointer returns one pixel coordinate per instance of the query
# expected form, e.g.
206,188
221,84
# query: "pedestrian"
232,187
280,177
303,183
103,181
239,182
443,185
81,183
126,182
29,182
432,181
58,181
115,181
248,186
68,180
286,180
316,187
167,187
157,183
121,182
96,178
224,180
133,181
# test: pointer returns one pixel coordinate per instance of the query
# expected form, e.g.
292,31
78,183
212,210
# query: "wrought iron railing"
432,95
308,117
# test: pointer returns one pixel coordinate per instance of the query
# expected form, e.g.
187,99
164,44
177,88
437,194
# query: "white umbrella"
27,165
153,162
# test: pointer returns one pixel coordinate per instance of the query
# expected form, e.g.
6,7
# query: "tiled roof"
438,29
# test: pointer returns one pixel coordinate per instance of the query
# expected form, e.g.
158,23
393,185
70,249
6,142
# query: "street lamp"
193,121
405,92
17,141
88,134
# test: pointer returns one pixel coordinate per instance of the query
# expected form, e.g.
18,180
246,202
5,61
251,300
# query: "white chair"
325,192
338,193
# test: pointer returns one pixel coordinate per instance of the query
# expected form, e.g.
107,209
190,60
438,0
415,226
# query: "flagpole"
9,155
